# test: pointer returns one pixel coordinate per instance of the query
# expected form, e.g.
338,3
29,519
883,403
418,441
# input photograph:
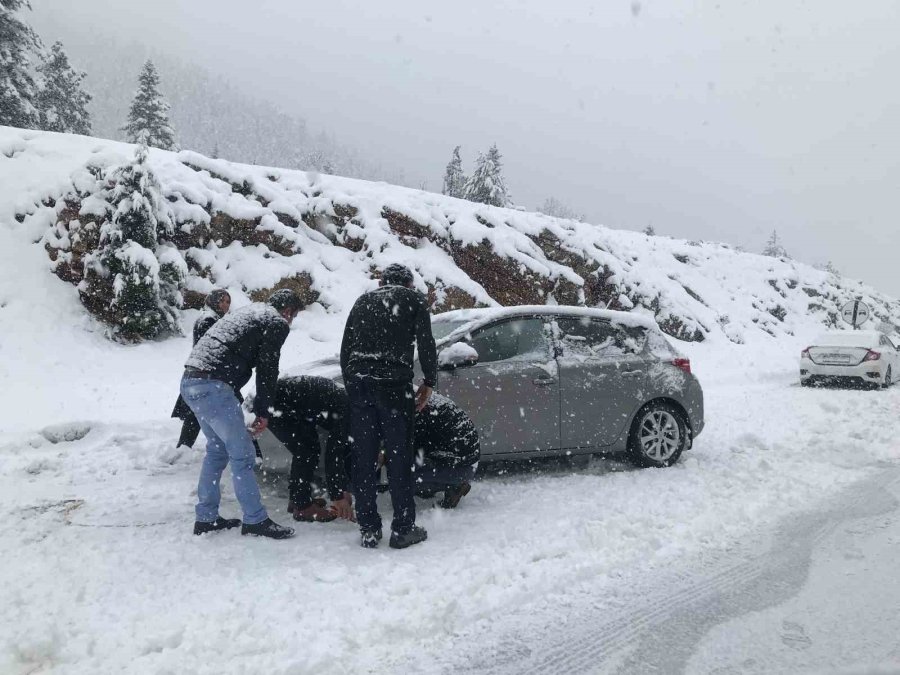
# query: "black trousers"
431,478
382,413
301,438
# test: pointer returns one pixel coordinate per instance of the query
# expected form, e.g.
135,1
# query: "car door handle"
543,381
632,373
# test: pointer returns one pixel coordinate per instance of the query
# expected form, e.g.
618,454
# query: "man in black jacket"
218,302
377,364
447,451
303,405
220,364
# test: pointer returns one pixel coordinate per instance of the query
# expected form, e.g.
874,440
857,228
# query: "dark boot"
218,524
269,529
453,495
370,538
415,536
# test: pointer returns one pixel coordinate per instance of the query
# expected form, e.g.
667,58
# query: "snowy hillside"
251,228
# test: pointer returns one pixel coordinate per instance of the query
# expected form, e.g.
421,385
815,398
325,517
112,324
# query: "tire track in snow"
660,630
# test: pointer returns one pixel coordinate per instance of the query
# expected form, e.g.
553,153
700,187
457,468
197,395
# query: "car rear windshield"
847,339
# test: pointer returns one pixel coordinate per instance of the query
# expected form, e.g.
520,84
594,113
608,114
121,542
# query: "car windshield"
441,329
847,339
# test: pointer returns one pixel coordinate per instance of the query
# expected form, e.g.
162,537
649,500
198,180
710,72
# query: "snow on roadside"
103,573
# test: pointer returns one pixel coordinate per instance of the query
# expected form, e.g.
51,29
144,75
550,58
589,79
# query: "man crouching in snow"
220,363
447,451
303,405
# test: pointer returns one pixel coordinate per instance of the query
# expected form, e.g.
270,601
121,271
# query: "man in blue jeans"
377,356
220,364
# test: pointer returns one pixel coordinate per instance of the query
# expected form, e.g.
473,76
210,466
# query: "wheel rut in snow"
665,620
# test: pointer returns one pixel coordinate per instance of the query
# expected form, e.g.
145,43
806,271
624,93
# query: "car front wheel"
659,434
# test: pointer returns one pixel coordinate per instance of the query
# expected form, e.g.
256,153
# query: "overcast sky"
714,120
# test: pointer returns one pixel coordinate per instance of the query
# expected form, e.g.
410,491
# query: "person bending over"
221,363
303,405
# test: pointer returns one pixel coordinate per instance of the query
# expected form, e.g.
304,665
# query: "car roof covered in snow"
486,314
848,338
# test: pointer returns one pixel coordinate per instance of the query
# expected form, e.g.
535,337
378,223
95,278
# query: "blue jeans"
227,439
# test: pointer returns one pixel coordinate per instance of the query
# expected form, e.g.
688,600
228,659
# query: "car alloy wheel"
658,436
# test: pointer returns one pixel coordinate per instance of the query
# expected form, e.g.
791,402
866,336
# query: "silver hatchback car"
539,381
550,380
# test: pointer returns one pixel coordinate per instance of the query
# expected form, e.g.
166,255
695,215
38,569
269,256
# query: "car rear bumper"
867,371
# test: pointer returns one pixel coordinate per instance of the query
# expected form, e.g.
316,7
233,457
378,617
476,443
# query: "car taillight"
682,364
805,354
872,356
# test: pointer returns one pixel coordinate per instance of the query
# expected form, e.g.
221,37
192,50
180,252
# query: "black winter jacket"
381,332
320,402
445,435
248,338
205,321
313,399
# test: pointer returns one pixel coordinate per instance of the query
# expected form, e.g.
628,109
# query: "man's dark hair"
286,299
215,298
398,275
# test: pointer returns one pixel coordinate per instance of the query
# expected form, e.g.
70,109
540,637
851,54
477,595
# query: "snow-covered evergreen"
149,114
18,44
454,178
774,247
139,290
486,184
650,231
62,101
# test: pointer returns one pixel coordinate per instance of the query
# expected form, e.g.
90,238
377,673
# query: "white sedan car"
852,357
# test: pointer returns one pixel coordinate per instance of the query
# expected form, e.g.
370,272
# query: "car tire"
658,436
887,379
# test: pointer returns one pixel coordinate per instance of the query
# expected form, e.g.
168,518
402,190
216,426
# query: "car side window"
592,338
519,338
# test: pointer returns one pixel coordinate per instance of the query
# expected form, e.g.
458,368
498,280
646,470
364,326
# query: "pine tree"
454,178
486,185
650,231
774,247
149,113
62,101
18,42
126,273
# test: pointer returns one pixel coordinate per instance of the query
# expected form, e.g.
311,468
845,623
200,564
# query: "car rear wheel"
658,435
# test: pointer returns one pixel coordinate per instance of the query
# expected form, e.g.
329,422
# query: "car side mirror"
457,355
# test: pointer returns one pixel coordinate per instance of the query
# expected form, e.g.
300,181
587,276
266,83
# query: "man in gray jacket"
220,364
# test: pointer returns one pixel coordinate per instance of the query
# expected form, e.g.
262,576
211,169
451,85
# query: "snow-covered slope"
249,228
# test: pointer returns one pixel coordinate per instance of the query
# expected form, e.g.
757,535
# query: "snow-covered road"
100,572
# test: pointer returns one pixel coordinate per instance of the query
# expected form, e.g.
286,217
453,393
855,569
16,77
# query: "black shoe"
370,538
218,524
453,495
415,536
269,529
